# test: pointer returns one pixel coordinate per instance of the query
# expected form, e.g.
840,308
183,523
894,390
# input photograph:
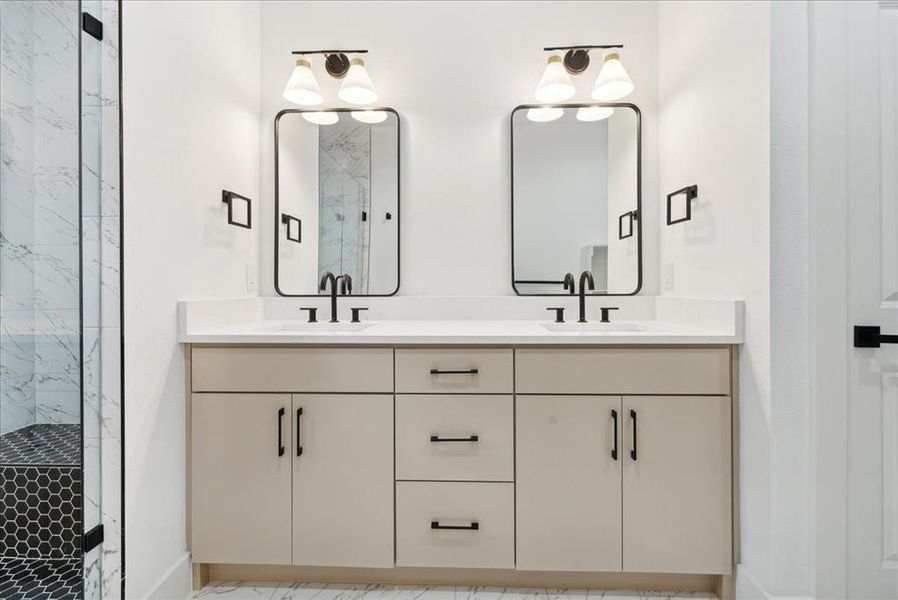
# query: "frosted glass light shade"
613,83
544,114
369,116
302,87
594,113
555,85
321,117
357,87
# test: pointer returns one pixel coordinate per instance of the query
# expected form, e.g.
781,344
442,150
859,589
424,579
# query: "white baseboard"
175,583
748,588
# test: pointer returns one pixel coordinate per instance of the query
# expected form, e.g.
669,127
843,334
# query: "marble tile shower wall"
344,181
39,259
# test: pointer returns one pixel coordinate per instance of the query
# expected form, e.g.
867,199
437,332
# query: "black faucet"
329,277
345,285
569,284
585,279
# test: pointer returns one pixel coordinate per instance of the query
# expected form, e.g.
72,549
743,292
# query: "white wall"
191,128
455,71
714,131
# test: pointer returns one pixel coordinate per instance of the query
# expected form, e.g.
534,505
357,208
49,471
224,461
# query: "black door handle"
473,438
298,439
281,448
474,526
633,449
454,371
870,336
614,448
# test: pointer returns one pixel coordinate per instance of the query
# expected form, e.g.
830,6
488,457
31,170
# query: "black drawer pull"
281,448
474,526
614,449
473,438
633,450
298,439
454,371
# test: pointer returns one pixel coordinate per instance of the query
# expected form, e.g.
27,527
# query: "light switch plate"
667,277
250,277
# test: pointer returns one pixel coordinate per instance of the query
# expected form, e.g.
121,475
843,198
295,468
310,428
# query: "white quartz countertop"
250,321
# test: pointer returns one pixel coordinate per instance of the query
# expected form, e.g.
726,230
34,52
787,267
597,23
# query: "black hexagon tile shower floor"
40,579
43,444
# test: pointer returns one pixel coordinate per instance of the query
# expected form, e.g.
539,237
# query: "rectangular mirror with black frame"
336,197
576,197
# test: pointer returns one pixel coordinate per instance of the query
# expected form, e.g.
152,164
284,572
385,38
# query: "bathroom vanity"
479,452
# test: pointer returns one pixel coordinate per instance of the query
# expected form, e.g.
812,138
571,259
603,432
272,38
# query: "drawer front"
262,369
455,437
455,524
623,371
467,370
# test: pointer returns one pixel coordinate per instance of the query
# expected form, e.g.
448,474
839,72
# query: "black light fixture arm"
583,47
326,52
336,63
576,58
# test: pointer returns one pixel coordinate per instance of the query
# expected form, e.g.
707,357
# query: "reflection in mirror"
575,198
337,200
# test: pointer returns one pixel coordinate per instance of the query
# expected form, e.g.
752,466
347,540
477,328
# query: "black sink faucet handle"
355,313
605,310
313,313
559,313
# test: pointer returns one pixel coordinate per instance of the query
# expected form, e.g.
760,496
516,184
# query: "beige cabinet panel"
453,420
677,498
622,371
278,369
343,480
442,370
568,483
240,483
455,524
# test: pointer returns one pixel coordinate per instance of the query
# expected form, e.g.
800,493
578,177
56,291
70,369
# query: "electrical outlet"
667,277
250,277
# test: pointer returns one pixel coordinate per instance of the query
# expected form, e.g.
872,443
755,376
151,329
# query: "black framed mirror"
336,199
576,197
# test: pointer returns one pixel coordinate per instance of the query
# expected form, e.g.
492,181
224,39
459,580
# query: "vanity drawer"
623,371
274,369
471,370
455,524
455,420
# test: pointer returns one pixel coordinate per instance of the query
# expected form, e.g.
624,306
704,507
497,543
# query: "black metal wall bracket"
92,539
691,192
228,198
871,336
287,220
92,26
629,217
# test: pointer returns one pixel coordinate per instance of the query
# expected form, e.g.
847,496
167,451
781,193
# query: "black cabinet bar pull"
474,526
298,439
281,448
871,336
614,448
473,438
454,371
633,449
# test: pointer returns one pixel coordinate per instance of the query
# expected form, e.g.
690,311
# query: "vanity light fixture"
556,84
594,113
369,116
302,88
613,82
321,117
544,114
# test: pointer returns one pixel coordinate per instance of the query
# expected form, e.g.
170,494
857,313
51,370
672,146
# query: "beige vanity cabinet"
568,483
343,480
241,483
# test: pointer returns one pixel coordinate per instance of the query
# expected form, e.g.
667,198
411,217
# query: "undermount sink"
320,327
592,327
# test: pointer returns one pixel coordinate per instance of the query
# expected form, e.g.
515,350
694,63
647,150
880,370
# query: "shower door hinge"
92,25
92,539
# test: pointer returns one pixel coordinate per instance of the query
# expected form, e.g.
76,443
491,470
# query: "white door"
854,164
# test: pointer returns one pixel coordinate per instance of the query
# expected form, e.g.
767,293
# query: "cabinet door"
678,485
568,483
343,480
240,481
